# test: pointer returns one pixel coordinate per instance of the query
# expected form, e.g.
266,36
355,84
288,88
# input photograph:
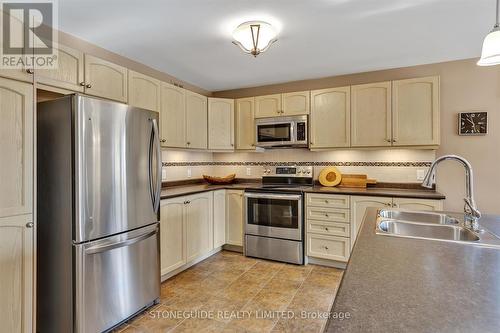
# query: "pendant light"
491,45
254,37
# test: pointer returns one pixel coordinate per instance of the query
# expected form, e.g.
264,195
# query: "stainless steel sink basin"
427,217
417,230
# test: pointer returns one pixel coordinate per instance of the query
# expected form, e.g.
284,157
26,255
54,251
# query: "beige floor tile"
221,307
252,279
299,326
254,324
294,273
186,302
154,323
227,275
325,281
288,287
326,270
238,291
194,325
316,301
269,300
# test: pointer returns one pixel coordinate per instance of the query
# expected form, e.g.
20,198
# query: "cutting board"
354,180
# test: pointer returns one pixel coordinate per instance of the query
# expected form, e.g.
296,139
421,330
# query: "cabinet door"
328,247
16,278
268,106
172,234
196,120
359,204
245,124
416,112
143,91
330,118
16,147
173,116
219,218
199,225
220,124
234,217
105,79
296,103
417,204
17,31
371,118
69,71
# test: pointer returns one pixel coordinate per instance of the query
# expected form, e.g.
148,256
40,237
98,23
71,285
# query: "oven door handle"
296,197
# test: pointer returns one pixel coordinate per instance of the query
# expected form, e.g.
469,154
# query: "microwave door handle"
293,137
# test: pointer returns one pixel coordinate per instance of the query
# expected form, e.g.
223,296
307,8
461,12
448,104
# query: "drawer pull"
326,228
326,247
326,214
326,201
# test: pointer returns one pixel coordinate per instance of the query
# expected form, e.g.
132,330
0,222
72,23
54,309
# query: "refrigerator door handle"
128,242
156,138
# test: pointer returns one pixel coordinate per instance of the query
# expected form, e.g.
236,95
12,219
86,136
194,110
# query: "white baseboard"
191,263
326,262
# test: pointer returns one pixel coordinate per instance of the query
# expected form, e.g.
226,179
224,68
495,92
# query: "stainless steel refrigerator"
98,196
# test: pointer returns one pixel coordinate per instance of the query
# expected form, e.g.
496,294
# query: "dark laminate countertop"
181,190
396,284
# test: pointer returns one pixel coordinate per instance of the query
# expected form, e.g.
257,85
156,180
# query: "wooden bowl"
220,180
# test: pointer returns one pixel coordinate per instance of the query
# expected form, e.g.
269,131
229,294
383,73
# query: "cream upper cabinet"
330,118
143,91
245,124
173,116
220,124
219,218
199,225
196,120
16,278
234,217
16,147
296,103
359,204
172,234
417,204
268,106
105,79
415,110
371,115
69,73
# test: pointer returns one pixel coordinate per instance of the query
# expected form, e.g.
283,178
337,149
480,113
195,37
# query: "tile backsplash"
388,165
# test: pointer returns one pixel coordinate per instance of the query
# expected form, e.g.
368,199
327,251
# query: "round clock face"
473,123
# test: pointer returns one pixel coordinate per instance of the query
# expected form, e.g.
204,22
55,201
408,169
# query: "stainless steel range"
274,218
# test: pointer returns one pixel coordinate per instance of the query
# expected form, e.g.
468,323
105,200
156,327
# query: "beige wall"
464,87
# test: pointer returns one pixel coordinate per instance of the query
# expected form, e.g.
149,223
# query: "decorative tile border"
268,163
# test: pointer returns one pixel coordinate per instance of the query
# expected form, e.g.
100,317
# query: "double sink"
448,227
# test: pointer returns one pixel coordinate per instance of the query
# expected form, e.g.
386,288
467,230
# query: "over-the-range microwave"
282,132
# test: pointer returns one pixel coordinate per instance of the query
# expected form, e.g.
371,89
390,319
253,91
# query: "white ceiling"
191,39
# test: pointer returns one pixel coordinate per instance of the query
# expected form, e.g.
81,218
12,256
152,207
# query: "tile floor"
232,293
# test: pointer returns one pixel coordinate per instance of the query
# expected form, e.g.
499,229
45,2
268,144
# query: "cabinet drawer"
327,200
328,214
328,247
329,228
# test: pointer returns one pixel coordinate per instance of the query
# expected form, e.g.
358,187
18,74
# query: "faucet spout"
470,207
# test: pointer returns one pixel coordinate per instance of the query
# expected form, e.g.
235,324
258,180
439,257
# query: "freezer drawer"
115,277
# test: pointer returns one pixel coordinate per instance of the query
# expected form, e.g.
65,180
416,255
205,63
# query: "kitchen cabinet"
328,247
199,224
417,204
16,206
415,112
219,218
172,116
234,217
296,103
22,73
358,208
245,124
268,106
105,79
144,91
172,234
196,121
69,73
330,119
220,124
371,115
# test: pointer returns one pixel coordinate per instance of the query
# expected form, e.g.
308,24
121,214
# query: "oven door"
274,133
274,215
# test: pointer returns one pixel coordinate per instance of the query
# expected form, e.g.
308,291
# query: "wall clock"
472,123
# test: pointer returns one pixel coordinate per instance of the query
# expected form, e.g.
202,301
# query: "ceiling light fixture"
254,37
491,46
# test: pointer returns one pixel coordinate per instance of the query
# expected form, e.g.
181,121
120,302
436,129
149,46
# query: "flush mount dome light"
254,37
491,46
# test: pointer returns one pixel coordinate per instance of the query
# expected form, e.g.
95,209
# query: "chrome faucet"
472,214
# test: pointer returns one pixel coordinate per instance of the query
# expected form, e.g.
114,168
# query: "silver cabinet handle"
82,84
88,85
163,140
394,140
187,202
388,204
30,71
388,140
29,225
188,143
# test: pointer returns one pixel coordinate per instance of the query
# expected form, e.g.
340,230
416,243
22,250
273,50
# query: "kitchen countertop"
181,190
395,284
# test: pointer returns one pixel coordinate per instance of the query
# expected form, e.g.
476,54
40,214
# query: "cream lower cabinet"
196,121
186,228
245,123
16,208
417,204
220,124
234,217
219,218
144,91
105,79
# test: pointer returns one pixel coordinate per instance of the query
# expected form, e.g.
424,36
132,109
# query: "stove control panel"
288,171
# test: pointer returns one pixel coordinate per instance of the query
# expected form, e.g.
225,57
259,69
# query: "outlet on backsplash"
163,174
249,171
189,173
420,174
